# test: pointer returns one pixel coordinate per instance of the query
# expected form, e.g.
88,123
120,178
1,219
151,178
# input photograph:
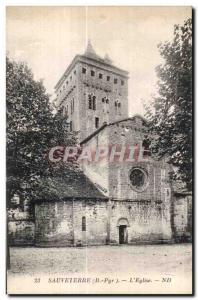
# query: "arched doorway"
122,230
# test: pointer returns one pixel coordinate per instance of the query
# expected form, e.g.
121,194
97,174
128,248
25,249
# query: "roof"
73,185
90,57
110,124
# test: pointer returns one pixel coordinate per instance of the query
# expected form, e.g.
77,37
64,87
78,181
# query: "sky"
48,38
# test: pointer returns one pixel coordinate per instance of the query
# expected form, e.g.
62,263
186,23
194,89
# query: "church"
113,200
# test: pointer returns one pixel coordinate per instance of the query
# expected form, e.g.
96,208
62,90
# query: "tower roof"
108,59
89,50
91,55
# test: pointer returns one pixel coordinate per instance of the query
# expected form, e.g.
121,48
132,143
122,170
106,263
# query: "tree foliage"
32,130
170,114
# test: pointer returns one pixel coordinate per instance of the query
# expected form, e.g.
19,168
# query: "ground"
102,259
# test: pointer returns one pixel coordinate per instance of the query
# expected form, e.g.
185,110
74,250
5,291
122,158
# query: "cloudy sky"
47,38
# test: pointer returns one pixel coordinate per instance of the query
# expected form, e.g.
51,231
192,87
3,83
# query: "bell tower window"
71,126
92,101
117,107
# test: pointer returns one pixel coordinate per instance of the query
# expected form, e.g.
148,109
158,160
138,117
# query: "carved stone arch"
123,221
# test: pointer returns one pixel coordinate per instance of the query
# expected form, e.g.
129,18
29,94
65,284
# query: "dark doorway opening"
123,234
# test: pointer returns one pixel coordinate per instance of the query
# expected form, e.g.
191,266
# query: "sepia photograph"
99,133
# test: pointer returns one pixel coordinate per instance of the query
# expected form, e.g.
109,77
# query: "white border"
3,4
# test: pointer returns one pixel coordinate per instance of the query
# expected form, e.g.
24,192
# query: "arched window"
117,107
89,102
83,223
72,105
92,101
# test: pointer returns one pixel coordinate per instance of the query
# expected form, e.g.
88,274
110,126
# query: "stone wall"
21,232
146,221
54,224
114,177
101,88
182,214
60,223
21,227
147,211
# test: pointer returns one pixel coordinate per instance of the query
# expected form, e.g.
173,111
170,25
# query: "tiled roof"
72,185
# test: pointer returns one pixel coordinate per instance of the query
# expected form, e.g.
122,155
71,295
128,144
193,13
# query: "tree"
32,130
170,113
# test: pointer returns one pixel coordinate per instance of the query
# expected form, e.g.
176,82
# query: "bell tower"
92,91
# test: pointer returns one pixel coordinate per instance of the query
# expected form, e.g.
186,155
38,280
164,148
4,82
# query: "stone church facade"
127,199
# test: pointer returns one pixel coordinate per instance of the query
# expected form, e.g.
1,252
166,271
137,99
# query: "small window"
115,80
70,78
72,105
103,100
108,78
100,75
96,122
66,82
70,125
107,100
122,82
117,107
94,102
92,73
90,101
74,72
84,70
83,223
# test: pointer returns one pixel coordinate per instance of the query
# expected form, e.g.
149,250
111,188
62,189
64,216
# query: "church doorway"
123,225
122,234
